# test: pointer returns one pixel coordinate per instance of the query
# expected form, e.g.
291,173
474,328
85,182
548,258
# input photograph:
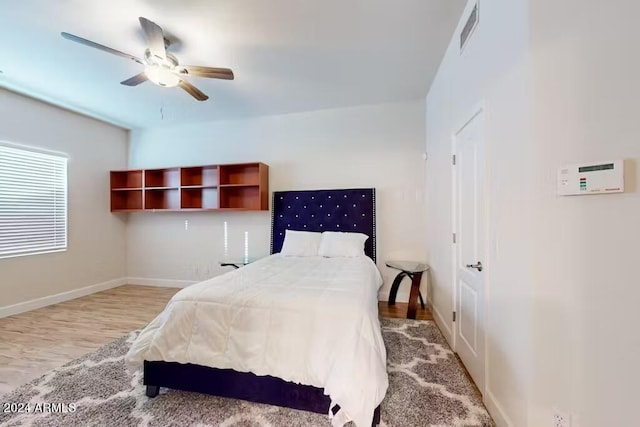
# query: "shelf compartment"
206,176
162,178
247,174
126,200
126,179
161,199
240,197
199,198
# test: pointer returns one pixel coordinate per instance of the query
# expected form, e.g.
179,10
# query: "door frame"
479,109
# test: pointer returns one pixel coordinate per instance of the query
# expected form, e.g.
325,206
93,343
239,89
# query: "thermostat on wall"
593,178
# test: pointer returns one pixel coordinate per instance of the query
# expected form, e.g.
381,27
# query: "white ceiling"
287,55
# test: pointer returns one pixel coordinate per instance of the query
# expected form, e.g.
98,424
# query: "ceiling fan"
161,67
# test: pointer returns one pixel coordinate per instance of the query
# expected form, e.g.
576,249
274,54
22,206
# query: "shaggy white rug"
427,386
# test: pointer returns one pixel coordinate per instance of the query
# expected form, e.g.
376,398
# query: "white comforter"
309,320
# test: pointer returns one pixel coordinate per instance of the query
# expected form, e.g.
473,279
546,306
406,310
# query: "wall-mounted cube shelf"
242,186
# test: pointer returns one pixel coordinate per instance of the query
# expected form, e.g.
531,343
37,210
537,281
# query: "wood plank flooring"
399,310
35,342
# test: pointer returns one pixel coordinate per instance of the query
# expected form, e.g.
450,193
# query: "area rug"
427,387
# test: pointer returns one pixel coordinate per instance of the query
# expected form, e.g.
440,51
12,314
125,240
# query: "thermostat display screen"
595,168
591,178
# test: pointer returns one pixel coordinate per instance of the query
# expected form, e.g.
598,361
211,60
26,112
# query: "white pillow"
339,244
300,243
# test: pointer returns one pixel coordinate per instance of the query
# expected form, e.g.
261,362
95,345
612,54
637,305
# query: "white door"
470,247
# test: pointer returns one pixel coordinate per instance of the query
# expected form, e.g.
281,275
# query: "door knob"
477,266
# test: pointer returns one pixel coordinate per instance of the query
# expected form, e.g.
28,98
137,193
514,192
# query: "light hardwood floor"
35,342
399,310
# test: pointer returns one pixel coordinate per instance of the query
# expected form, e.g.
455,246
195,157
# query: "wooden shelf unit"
243,186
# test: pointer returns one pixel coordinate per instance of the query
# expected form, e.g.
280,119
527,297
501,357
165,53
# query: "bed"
286,330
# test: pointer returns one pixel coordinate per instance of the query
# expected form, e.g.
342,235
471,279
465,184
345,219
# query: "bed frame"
320,210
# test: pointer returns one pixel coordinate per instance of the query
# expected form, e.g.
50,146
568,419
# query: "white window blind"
33,202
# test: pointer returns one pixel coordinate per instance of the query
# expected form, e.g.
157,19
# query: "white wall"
377,146
494,69
96,239
585,340
560,85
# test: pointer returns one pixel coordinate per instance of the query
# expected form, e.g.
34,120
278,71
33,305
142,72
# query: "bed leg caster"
153,390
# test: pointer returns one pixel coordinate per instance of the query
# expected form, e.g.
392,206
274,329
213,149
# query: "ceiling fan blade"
192,90
155,38
135,80
209,72
99,46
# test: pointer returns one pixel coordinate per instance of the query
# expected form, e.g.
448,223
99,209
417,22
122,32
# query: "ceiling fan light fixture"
161,76
161,67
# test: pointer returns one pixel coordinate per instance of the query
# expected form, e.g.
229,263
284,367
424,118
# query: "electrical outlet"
561,419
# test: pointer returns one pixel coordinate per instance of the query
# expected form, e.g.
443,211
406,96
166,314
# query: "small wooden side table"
413,270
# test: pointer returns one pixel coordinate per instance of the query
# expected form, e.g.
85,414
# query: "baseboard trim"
496,410
441,322
161,283
34,304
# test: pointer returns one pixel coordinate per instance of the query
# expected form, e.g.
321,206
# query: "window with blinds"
33,201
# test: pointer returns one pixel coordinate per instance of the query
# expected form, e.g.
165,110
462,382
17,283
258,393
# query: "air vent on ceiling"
469,26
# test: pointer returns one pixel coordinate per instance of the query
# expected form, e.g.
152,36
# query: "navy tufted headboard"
325,210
